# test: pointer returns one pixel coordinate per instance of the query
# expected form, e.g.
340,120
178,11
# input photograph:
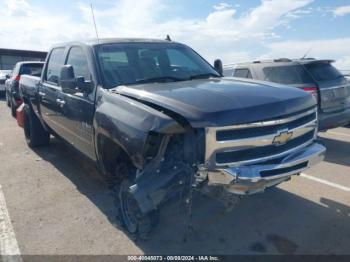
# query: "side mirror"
67,79
218,66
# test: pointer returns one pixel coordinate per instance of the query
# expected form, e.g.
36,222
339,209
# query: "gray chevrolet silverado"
159,120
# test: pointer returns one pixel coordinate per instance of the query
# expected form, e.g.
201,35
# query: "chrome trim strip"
213,146
248,179
267,139
263,159
266,123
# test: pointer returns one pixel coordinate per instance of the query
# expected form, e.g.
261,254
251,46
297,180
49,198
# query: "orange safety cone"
20,115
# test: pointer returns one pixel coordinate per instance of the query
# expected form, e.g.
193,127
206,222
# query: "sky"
232,30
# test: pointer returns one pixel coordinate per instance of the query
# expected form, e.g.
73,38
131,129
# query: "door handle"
42,94
60,101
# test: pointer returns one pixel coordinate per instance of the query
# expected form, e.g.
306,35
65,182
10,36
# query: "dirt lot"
58,204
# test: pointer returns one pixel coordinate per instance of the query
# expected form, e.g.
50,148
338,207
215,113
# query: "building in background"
9,57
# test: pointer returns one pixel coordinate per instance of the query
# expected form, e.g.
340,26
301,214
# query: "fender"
128,123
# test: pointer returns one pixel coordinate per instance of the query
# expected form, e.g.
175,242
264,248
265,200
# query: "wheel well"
25,100
111,154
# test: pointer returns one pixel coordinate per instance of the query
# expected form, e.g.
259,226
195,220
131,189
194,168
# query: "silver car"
4,74
330,87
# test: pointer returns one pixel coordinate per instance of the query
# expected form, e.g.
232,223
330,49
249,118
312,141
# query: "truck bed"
28,85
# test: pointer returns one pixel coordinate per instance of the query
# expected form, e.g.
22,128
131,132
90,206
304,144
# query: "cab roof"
30,62
95,41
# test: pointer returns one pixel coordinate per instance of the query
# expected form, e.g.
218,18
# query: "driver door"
77,109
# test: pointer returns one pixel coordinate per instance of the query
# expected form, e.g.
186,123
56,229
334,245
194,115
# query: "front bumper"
256,178
333,120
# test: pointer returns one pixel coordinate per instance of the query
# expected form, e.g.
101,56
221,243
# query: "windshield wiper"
159,79
203,76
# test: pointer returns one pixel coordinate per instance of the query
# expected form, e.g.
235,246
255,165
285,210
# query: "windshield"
288,75
136,63
323,71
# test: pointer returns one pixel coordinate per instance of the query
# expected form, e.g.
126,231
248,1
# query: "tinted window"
288,75
115,57
242,72
133,63
31,69
180,60
55,63
323,71
77,59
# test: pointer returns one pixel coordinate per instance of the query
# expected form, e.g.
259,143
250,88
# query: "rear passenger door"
49,89
77,109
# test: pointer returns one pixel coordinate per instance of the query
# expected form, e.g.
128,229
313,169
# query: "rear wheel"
7,99
13,109
34,132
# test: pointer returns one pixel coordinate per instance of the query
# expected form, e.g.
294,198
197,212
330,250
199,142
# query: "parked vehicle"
159,119
4,74
13,98
318,77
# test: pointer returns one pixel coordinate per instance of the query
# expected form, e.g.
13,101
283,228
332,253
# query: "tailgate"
334,97
333,86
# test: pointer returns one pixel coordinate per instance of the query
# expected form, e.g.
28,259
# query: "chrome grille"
256,142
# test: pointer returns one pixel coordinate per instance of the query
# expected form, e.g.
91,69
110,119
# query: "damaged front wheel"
137,223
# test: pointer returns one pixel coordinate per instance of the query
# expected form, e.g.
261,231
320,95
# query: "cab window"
77,59
54,65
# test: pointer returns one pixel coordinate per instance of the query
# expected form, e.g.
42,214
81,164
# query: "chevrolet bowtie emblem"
282,137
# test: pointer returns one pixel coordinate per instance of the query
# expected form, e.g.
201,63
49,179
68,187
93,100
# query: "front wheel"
34,131
133,219
137,223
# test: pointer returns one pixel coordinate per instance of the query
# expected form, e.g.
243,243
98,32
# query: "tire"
13,109
7,100
34,132
130,216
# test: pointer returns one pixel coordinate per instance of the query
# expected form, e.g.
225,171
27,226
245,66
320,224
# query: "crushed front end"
248,158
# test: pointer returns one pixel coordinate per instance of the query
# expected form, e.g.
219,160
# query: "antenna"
307,52
93,18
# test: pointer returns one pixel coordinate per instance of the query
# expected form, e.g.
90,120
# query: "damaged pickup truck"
159,120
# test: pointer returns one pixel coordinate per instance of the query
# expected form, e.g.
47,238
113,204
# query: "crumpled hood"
222,101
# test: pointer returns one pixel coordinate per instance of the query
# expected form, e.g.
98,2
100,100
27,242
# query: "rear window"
31,69
288,75
323,71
